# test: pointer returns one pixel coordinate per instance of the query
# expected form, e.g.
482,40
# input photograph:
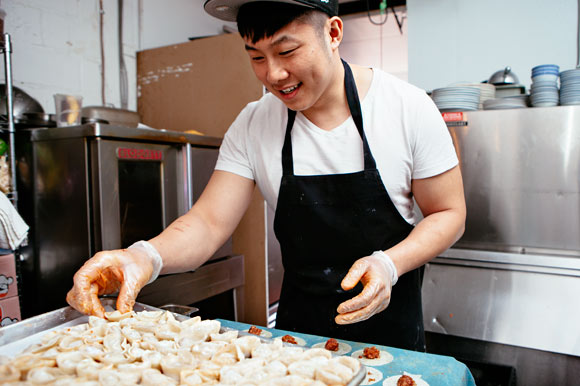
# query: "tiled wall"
383,46
56,48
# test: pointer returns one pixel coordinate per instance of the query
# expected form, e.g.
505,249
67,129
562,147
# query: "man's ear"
335,31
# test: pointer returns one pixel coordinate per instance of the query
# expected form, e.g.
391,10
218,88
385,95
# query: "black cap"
228,9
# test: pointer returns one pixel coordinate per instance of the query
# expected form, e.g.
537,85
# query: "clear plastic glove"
378,274
123,270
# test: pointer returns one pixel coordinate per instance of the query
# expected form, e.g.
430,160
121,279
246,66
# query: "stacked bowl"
570,87
456,98
487,91
544,89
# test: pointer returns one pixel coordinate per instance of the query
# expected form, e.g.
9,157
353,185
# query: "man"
341,174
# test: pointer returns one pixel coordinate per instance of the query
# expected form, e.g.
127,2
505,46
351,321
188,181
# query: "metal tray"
16,337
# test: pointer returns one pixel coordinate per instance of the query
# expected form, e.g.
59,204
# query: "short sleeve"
233,154
433,151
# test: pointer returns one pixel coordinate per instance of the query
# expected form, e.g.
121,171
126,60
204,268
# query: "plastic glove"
378,274
123,270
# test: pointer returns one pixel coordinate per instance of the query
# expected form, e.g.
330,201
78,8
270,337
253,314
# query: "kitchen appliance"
507,292
99,187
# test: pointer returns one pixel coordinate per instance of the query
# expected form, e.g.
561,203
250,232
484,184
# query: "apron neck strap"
356,113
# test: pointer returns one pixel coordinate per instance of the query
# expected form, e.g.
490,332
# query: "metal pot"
505,76
22,103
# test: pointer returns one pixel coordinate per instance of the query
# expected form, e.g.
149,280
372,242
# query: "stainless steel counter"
507,291
112,131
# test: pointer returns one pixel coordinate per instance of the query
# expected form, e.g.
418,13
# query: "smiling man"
341,152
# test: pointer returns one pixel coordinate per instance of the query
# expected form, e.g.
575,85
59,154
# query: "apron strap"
287,160
356,113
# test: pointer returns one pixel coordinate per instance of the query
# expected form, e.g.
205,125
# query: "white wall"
468,40
175,21
56,48
56,43
378,46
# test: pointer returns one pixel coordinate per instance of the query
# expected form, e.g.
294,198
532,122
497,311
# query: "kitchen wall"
174,21
468,40
56,43
56,48
383,46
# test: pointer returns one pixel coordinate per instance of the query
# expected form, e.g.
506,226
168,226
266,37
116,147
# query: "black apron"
324,223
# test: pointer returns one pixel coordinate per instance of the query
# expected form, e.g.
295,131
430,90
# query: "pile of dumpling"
153,348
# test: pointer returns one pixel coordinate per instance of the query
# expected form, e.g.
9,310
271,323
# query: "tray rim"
52,319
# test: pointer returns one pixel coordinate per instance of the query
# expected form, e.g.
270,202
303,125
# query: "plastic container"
68,109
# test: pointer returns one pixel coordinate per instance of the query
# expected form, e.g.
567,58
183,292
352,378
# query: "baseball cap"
227,10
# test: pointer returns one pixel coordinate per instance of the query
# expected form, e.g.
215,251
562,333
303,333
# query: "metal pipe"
10,111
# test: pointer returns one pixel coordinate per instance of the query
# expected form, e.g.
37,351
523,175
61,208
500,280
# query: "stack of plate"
544,89
510,102
456,98
487,91
570,87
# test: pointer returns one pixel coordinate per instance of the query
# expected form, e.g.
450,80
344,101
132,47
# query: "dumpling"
171,365
288,355
227,336
112,377
231,375
190,377
70,343
117,316
208,326
153,358
206,350
303,368
149,316
333,373
208,371
349,362
228,355
89,369
317,352
190,322
9,373
43,375
68,361
247,344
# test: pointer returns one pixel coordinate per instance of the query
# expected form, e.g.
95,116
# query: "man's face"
294,64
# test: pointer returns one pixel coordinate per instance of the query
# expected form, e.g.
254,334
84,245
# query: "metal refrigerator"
509,291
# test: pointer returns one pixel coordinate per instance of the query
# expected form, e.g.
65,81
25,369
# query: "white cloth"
406,133
13,229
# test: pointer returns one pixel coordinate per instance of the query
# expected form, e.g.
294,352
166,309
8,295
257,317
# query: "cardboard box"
203,85
9,311
8,284
200,85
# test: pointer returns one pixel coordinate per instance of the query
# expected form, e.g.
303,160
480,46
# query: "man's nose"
276,72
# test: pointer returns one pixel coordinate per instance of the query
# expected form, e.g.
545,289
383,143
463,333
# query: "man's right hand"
123,270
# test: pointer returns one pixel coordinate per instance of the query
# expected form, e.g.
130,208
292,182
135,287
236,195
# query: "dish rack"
6,50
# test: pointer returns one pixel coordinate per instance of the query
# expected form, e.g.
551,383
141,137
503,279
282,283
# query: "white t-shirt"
406,134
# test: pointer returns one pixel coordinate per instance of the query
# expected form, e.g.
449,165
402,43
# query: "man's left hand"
378,274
